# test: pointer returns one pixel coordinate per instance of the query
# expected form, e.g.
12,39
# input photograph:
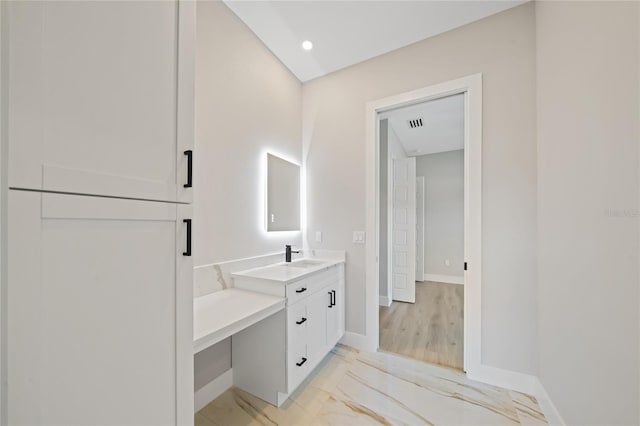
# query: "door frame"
471,87
420,228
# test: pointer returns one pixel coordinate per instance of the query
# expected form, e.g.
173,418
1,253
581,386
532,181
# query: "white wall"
211,362
588,118
247,103
443,212
396,150
502,47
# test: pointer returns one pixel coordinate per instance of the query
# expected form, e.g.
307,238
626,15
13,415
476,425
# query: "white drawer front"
298,365
297,323
299,290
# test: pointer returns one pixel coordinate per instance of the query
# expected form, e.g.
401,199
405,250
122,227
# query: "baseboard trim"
521,382
508,379
449,279
358,341
212,390
384,301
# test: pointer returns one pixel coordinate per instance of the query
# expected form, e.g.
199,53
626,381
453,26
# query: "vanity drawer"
299,290
297,323
298,367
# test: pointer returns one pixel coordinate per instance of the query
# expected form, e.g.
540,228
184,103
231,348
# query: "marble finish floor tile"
358,388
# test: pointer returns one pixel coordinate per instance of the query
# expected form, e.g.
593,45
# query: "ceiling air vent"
415,123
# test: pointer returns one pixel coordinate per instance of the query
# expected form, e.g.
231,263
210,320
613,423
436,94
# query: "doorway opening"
470,90
421,235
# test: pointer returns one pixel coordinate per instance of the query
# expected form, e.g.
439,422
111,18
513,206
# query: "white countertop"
285,273
219,315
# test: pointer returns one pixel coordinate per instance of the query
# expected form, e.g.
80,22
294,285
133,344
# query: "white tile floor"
358,388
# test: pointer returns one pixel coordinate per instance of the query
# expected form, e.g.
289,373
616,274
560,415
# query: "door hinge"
465,266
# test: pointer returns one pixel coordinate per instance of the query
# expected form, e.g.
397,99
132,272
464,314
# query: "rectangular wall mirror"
283,195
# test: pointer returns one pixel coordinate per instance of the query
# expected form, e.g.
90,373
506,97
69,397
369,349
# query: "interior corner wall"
443,212
588,134
395,148
247,103
502,48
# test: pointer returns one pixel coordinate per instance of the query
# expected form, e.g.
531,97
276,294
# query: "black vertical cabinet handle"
188,252
330,299
189,154
333,299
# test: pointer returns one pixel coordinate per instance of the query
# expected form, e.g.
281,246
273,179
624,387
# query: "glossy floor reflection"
360,388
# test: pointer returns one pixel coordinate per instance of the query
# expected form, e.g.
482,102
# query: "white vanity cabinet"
101,97
271,364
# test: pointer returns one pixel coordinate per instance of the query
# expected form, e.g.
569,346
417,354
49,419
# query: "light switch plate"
318,236
358,237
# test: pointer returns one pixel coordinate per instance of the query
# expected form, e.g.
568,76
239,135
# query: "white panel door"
317,326
99,312
100,102
335,310
403,233
420,228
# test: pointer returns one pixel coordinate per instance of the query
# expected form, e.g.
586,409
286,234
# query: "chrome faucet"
287,253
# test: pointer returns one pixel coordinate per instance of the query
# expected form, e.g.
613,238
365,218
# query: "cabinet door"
100,101
335,313
317,326
99,311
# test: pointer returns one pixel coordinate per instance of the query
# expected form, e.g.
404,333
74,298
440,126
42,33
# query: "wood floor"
429,330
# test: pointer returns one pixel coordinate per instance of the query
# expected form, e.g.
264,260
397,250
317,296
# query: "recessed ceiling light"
307,45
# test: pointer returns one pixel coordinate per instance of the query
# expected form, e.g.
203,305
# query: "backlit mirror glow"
283,195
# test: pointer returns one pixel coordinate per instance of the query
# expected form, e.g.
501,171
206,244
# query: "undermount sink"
304,263
287,272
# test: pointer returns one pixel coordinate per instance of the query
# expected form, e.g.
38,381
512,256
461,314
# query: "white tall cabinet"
101,97
99,274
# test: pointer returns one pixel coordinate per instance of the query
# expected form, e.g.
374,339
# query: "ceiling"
442,126
344,33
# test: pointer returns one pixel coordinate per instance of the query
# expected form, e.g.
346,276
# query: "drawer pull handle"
302,321
299,364
189,154
301,290
330,299
188,252
333,299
